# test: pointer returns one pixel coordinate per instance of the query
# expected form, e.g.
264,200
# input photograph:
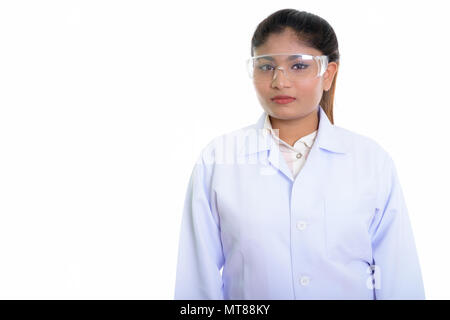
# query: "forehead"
285,42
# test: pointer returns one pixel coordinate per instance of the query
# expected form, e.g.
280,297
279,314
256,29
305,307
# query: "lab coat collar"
328,136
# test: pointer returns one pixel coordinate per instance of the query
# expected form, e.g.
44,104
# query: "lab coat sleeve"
200,253
397,273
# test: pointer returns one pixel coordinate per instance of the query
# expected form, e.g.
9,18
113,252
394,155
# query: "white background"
105,106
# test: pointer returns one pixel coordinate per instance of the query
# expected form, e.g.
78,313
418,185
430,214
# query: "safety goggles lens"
295,67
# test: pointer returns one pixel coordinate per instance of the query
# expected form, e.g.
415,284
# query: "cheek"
262,93
310,89
309,85
261,89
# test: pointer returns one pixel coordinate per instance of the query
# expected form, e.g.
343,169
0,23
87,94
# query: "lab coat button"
304,280
299,155
301,225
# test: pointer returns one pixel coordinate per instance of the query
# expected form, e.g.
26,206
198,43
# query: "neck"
293,129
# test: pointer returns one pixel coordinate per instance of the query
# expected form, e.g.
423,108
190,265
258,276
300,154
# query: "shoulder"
369,159
366,153
226,146
361,145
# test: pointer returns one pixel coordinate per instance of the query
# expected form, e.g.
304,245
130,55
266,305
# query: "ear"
329,74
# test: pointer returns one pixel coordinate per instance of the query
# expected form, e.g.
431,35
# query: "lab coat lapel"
266,142
328,139
278,161
314,175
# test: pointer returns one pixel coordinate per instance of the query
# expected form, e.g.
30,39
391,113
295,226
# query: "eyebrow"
291,57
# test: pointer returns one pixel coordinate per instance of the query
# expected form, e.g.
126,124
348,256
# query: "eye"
300,66
263,67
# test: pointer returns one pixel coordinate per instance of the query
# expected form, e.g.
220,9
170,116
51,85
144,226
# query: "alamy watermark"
244,147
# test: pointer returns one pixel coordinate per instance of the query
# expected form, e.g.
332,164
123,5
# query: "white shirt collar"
307,140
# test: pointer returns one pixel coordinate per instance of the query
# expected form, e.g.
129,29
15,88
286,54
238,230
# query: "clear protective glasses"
299,67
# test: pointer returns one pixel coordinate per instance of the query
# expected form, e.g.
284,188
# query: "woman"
294,207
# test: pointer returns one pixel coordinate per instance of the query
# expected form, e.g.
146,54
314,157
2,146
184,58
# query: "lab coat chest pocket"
347,219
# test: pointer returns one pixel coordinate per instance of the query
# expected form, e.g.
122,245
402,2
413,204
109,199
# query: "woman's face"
307,93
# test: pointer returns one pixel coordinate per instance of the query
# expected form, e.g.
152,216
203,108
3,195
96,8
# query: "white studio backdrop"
105,106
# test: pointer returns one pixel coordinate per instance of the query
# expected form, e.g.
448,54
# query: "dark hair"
310,29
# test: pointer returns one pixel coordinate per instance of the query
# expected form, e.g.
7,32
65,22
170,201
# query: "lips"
282,97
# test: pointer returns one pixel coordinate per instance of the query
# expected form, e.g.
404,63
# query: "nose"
279,80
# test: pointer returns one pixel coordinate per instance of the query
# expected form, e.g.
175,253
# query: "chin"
290,114
285,112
